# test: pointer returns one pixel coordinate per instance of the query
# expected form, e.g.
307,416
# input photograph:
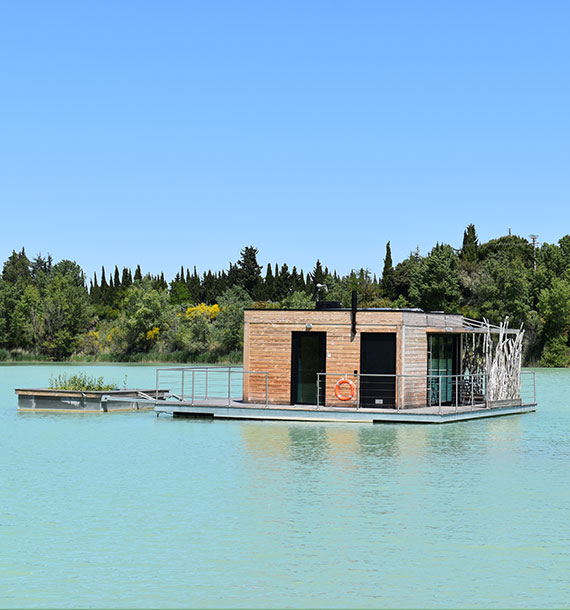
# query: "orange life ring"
341,382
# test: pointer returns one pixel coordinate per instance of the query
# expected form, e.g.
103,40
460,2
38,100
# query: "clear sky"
166,133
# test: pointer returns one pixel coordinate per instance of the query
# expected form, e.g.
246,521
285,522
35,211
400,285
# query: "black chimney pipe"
353,314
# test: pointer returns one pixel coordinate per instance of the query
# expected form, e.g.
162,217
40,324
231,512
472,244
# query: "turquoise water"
127,510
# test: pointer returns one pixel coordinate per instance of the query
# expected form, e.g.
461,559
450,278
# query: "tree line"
50,311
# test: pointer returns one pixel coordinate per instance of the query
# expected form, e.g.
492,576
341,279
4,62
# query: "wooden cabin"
396,358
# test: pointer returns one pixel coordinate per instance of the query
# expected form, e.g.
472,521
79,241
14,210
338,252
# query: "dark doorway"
308,358
378,357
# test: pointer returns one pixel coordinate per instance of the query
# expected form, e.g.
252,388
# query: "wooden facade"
268,344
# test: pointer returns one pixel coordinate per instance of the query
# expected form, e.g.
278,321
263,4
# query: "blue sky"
168,133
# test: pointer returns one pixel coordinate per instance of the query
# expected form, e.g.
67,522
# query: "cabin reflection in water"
308,443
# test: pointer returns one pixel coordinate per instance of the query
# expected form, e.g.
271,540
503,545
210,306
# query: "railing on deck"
376,391
205,383
528,388
224,386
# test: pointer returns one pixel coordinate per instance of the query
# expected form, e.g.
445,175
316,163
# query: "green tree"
17,268
470,245
317,276
269,284
142,317
506,292
229,323
66,310
554,309
388,286
298,300
249,276
435,281
403,274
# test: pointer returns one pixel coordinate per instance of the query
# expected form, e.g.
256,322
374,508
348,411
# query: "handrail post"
206,397
398,391
439,392
182,385
156,393
456,393
266,390
192,401
318,384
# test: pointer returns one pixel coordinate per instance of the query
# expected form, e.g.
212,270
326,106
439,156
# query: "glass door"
442,355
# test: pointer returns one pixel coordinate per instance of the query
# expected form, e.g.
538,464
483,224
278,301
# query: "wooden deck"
219,409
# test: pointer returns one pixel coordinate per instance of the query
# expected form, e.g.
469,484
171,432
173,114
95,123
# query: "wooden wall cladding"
268,339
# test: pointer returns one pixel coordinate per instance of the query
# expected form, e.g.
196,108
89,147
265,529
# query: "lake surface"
127,510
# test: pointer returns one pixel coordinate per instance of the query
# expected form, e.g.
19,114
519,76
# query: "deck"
216,393
217,408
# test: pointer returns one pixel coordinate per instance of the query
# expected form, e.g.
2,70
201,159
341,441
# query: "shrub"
556,353
80,382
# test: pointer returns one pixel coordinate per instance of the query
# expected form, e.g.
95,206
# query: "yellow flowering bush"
202,310
152,334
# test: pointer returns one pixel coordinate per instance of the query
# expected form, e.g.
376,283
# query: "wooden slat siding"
270,351
267,347
418,325
414,389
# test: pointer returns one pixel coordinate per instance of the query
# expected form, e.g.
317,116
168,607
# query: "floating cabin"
391,358
337,364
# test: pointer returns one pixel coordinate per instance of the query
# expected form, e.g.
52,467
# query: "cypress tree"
249,271
138,274
117,280
283,283
294,280
269,284
469,251
126,280
104,288
388,274
94,294
317,276
302,286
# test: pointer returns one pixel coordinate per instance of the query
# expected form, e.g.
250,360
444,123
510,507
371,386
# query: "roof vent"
328,305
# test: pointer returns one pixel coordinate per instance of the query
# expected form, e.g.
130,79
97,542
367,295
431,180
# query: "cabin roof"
401,309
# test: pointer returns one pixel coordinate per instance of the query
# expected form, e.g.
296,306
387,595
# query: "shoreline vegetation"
50,313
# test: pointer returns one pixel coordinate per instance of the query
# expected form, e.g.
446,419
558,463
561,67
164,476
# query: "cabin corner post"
246,364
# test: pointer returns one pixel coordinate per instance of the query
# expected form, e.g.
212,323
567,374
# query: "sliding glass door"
442,366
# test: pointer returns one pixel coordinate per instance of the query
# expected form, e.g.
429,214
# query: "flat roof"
400,309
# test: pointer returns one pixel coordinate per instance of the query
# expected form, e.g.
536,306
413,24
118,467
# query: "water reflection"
309,443
378,441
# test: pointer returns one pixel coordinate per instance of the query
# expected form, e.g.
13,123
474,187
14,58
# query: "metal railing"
528,388
223,386
443,392
217,384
